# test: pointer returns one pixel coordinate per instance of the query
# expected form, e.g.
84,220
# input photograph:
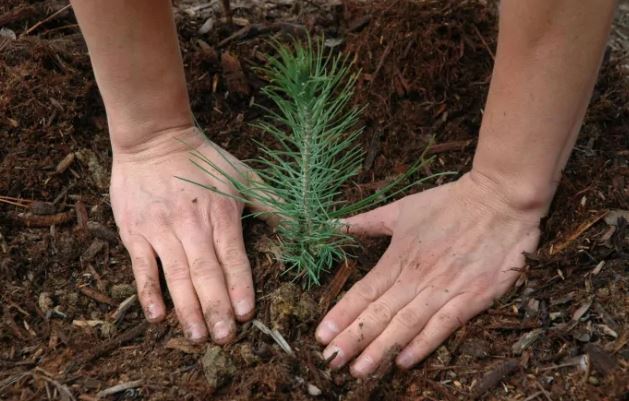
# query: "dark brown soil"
425,71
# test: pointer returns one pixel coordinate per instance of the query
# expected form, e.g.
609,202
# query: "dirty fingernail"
196,333
326,331
243,308
363,366
151,311
334,356
221,330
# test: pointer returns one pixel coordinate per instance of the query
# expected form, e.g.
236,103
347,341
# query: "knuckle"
233,255
224,212
380,311
365,290
203,267
407,318
187,214
141,265
177,272
159,213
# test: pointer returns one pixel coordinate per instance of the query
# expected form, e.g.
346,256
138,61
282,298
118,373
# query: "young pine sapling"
315,130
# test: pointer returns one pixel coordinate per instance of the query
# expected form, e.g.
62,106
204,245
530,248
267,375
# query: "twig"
119,387
279,339
51,16
385,54
337,283
482,39
97,296
33,220
110,345
456,146
20,202
123,308
541,388
583,227
533,396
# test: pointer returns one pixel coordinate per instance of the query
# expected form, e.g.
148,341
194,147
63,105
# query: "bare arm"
455,248
549,53
137,63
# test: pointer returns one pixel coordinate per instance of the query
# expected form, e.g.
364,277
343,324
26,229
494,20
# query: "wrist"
154,144
512,194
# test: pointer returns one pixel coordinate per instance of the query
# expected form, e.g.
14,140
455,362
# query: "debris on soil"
217,366
494,376
289,304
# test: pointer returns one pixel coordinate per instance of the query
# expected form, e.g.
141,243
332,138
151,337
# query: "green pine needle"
316,130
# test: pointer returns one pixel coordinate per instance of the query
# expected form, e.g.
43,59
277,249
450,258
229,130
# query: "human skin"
454,249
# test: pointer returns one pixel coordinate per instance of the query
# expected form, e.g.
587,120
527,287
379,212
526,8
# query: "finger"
405,325
177,274
209,282
379,221
364,292
369,324
146,277
230,250
440,326
261,200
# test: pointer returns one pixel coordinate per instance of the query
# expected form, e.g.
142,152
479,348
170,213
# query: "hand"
196,234
454,250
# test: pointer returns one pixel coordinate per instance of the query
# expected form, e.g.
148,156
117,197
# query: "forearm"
546,66
138,68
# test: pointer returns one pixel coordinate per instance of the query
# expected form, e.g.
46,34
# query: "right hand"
195,233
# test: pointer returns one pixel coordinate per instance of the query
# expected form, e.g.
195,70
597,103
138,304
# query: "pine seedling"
315,130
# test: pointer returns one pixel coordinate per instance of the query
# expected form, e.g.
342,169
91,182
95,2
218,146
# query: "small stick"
123,308
51,16
97,296
32,220
119,387
15,201
456,146
228,11
110,345
337,283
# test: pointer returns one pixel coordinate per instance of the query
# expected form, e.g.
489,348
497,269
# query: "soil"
71,327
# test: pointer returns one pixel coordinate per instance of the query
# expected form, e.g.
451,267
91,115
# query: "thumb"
379,221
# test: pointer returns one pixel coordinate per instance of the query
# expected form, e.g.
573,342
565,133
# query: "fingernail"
326,331
221,330
151,311
243,308
405,359
363,366
195,333
334,356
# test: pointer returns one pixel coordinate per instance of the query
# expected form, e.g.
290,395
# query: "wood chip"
65,163
98,230
614,215
526,340
494,376
601,360
235,78
183,345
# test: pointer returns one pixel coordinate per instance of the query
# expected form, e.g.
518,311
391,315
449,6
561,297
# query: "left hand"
454,250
